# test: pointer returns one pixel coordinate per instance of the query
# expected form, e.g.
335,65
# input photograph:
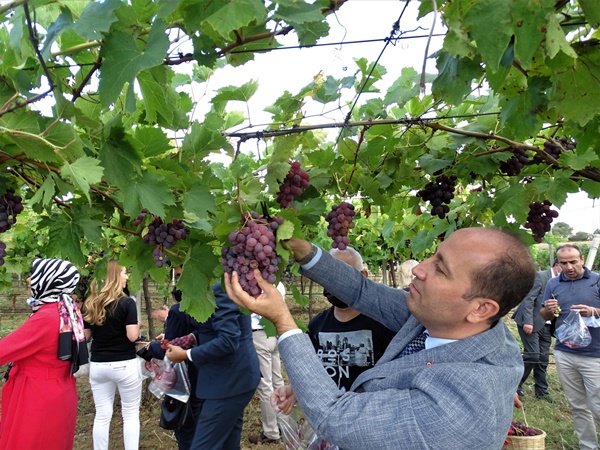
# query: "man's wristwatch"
310,256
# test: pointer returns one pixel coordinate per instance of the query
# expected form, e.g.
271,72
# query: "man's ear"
485,309
365,272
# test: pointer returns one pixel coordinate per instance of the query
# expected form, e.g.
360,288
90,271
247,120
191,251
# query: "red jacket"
39,400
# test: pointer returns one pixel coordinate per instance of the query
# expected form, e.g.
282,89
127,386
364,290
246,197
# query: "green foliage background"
107,152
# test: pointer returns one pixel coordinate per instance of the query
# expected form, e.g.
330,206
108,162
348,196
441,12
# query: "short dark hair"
507,278
573,246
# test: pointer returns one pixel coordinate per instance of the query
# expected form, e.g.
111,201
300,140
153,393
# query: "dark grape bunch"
287,276
513,165
253,247
554,150
293,185
340,220
185,342
162,235
439,193
2,252
539,219
10,207
520,429
140,218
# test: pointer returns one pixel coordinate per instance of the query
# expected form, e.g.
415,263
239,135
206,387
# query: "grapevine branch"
361,137
77,92
430,123
20,157
33,182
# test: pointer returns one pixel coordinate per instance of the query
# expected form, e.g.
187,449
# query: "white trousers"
580,379
271,379
105,378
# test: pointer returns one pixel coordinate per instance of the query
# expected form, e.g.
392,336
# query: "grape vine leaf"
96,19
64,238
233,16
196,277
62,23
119,158
241,93
519,114
591,9
83,172
199,200
151,141
44,194
124,59
555,40
578,90
489,24
578,160
530,17
455,75
150,191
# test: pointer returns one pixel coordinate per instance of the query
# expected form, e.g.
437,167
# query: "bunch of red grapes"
253,247
10,206
553,149
513,165
293,185
539,219
439,193
162,235
340,220
185,342
519,429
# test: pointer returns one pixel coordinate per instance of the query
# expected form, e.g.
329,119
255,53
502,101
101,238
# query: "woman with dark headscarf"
39,400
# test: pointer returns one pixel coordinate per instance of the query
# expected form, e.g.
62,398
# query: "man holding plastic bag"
574,298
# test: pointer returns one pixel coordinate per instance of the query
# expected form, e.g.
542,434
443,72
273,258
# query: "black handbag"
175,414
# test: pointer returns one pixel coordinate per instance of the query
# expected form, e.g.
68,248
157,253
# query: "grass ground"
553,418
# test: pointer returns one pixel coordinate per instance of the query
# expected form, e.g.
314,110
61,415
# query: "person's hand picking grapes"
268,303
175,353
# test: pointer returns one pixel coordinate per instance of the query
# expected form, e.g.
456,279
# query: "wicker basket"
526,442
537,442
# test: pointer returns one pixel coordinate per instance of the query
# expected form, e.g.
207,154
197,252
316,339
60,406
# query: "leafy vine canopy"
515,78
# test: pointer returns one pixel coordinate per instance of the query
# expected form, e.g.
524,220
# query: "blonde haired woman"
111,321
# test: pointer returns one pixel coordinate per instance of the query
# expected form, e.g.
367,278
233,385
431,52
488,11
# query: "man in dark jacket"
536,334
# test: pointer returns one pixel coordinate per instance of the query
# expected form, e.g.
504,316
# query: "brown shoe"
261,439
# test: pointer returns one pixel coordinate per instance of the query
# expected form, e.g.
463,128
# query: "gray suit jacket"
528,312
454,397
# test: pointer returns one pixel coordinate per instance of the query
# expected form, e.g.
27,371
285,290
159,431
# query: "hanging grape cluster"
513,165
253,247
185,342
162,235
439,193
539,219
555,150
10,207
340,220
293,185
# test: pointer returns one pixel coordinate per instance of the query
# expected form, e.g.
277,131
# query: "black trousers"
536,351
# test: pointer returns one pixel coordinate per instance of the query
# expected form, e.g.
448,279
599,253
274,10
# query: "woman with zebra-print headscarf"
39,400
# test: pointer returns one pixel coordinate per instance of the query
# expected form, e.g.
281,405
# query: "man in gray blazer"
535,334
458,392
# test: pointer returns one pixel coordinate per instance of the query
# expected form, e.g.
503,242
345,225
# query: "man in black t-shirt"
347,342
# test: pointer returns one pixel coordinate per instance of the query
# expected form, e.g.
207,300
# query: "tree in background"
580,236
562,229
